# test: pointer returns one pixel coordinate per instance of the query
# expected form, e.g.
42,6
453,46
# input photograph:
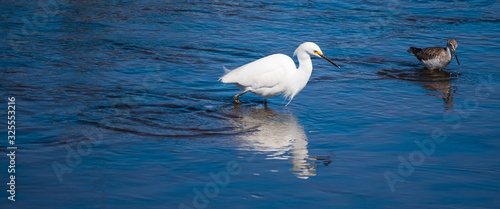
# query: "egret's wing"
265,72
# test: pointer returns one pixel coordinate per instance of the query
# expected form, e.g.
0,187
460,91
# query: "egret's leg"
265,104
237,96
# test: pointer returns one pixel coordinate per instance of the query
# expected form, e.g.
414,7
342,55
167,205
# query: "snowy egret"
436,58
276,74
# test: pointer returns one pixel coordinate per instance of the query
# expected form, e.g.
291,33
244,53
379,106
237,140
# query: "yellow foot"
237,101
237,97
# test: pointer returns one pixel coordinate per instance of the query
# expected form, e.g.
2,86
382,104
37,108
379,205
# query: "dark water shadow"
438,82
277,135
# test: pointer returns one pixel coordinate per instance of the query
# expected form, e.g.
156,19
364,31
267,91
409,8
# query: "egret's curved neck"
305,63
299,78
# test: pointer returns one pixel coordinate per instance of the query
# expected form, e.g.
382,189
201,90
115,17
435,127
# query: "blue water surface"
118,105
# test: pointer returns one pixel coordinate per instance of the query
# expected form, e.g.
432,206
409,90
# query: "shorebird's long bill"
329,60
455,52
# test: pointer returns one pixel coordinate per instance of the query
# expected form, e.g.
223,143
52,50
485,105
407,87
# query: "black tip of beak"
329,60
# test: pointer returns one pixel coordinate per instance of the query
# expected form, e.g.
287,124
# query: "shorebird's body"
275,74
436,58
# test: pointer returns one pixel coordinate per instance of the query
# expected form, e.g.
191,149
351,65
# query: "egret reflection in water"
279,136
437,81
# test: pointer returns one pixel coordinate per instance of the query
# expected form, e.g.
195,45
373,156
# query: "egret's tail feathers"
225,69
288,102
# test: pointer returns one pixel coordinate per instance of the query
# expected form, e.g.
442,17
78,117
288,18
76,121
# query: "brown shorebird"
436,58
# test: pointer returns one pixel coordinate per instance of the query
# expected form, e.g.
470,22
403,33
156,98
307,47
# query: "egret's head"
312,49
308,47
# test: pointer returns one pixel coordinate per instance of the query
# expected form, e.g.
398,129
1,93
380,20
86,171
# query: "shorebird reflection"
279,136
440,81
437,81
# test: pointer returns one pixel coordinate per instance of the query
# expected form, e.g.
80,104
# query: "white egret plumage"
276,74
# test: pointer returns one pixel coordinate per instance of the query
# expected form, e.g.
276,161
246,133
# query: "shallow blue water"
118,105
